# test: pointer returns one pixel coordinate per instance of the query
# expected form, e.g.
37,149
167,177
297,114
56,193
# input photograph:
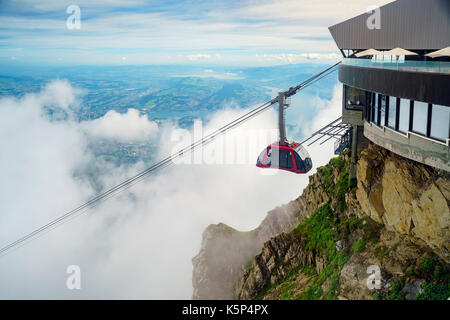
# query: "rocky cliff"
384,235
225,252
405,196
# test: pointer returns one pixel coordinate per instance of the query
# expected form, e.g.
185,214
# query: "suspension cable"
158,166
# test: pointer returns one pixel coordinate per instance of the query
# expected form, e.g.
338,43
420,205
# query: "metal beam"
282,117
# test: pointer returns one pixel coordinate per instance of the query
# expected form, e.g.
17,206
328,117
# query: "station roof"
407,24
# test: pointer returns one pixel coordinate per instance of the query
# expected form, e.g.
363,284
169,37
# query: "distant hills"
179,93
164,92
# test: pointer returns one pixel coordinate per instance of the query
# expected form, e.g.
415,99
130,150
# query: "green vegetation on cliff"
320,234
349,228
436,287
340,244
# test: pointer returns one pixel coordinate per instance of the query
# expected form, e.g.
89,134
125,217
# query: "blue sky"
213,32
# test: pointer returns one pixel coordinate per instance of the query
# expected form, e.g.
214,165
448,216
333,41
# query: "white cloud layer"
196,57
140,243
296,58
128,127
60,93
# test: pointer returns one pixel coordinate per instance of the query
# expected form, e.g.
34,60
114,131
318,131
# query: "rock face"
406,196
278,256
400,254
223,253
226,253
324,244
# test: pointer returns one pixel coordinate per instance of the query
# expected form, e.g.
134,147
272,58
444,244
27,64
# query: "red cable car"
283,155
289,157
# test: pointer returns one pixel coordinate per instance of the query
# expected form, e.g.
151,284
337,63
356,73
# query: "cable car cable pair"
293,147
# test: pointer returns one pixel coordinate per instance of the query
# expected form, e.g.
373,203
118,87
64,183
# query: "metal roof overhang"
408,24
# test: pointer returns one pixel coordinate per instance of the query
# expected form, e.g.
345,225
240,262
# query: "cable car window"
269,157
299,162
261,157
290,164
308,164
285,157
302,152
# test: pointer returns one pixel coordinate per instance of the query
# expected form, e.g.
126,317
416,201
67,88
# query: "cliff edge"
383,235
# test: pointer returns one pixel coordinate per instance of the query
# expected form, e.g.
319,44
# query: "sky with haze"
116,32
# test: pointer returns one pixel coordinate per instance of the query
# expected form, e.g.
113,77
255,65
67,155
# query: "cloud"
150,33
59,93
52,6
316,12
196,57
326,110
127,127
38,159
296,58
140,243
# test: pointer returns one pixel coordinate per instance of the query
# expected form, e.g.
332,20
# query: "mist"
139,244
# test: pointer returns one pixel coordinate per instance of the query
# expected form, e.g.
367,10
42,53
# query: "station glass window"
392,112
382,110
440,122
404,115
420,117
375,106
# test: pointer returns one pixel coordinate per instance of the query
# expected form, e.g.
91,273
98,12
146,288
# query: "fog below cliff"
140,243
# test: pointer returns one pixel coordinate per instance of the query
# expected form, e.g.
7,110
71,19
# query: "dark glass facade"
403,115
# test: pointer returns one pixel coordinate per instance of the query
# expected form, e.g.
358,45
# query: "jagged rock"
226,252
278,220
278,256
408,206
406,196
353,279
219,262
411,290
402,252
214,277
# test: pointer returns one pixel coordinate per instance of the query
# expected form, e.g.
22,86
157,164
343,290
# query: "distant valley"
181,94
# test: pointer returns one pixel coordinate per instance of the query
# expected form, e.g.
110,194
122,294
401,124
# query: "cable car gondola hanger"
284,155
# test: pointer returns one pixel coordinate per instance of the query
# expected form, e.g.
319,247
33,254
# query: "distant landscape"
177,93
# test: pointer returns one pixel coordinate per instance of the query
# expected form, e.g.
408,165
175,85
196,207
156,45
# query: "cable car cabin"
290,157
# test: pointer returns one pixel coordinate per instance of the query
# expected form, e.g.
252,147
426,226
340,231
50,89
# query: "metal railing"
344,142
400,65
